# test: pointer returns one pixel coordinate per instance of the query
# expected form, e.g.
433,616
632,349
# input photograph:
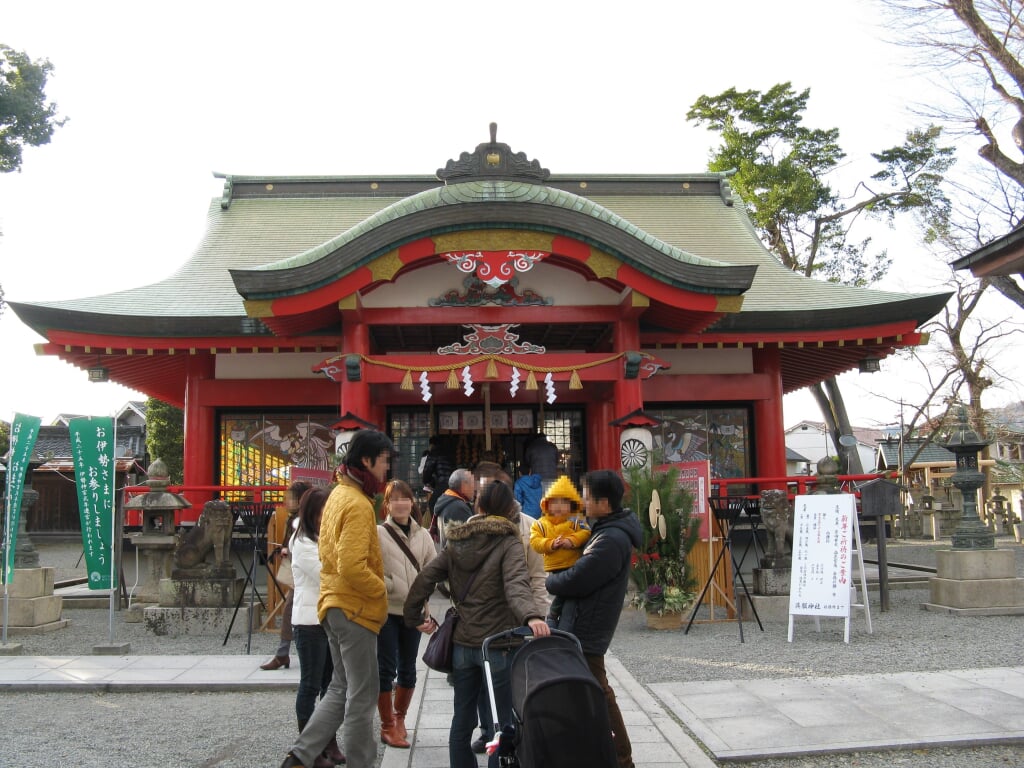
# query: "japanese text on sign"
821,577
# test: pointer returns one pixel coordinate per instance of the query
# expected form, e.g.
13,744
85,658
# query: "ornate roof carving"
493,160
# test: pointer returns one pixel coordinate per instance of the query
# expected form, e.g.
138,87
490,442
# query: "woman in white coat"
406,547
315,665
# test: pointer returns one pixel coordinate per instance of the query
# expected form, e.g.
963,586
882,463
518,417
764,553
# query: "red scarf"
371,485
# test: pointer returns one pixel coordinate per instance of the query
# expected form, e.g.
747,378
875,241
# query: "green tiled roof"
267,231
471,192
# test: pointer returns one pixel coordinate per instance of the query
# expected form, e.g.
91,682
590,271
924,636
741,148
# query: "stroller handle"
525,631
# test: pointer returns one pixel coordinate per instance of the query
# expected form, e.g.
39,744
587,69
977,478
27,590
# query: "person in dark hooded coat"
594,587
484,561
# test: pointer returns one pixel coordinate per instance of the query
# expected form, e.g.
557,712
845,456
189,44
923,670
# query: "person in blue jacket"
529,490
595,587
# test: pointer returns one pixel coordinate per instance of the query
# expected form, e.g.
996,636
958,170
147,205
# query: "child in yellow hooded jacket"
561,533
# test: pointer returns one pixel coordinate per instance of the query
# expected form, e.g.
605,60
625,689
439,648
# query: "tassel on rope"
531,381
492,370
453,380
574,380
407,380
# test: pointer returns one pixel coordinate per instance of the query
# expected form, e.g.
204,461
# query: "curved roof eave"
476,204
43,318
919,308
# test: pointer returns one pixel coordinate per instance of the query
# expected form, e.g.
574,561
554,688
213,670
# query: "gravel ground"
235,731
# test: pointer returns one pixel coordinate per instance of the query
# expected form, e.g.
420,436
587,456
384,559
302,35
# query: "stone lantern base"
976,582
34,608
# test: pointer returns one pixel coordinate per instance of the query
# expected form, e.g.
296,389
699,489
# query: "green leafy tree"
165,437
781,169
26,117
5,437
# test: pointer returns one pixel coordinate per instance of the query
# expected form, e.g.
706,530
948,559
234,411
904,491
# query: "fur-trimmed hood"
472,541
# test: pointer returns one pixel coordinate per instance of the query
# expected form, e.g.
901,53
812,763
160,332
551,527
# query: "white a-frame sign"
825,563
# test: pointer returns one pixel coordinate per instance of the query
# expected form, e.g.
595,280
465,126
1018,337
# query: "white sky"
160,96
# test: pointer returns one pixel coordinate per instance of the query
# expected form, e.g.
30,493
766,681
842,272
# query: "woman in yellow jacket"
353,605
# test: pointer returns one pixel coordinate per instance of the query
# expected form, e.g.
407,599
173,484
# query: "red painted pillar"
200,427
628,394
602,438
769,430
354,396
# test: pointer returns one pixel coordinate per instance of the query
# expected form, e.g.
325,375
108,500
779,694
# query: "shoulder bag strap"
402,545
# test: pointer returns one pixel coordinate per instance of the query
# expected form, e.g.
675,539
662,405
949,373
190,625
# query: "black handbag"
438,653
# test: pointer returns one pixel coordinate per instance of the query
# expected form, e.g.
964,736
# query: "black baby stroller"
560,717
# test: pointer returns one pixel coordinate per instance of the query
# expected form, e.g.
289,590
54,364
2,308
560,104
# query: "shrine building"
483,304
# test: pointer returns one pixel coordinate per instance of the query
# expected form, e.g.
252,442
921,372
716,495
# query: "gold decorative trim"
349,302
638,299
494,240
728,303
258,307
602,264
386,266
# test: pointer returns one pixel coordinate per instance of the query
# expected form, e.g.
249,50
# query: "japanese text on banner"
92,449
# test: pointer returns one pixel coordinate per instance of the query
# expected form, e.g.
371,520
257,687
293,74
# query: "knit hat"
562,488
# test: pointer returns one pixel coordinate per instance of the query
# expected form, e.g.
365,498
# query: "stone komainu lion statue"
211,533
777,516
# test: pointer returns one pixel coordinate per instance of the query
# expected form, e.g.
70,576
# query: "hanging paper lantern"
635,444
341,442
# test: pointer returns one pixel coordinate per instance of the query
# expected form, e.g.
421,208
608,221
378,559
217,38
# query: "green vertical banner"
92,448
24,432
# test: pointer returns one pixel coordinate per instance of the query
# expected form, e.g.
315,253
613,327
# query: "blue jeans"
315,667
468,680
397,648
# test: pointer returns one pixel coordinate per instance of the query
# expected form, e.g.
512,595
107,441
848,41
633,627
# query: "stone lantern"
156,543
1000,513
25,553
973,577
965,444
158,505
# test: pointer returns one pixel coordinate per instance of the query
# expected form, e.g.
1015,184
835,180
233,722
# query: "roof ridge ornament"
491,161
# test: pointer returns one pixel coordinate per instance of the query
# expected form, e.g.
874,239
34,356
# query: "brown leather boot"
402,698
333,752
276,663
387,722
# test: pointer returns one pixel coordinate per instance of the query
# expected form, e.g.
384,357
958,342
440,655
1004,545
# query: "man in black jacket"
456,503
597,584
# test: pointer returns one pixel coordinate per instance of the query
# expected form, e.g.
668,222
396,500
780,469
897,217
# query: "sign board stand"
825,567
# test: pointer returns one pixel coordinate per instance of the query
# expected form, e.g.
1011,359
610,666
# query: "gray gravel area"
231,730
